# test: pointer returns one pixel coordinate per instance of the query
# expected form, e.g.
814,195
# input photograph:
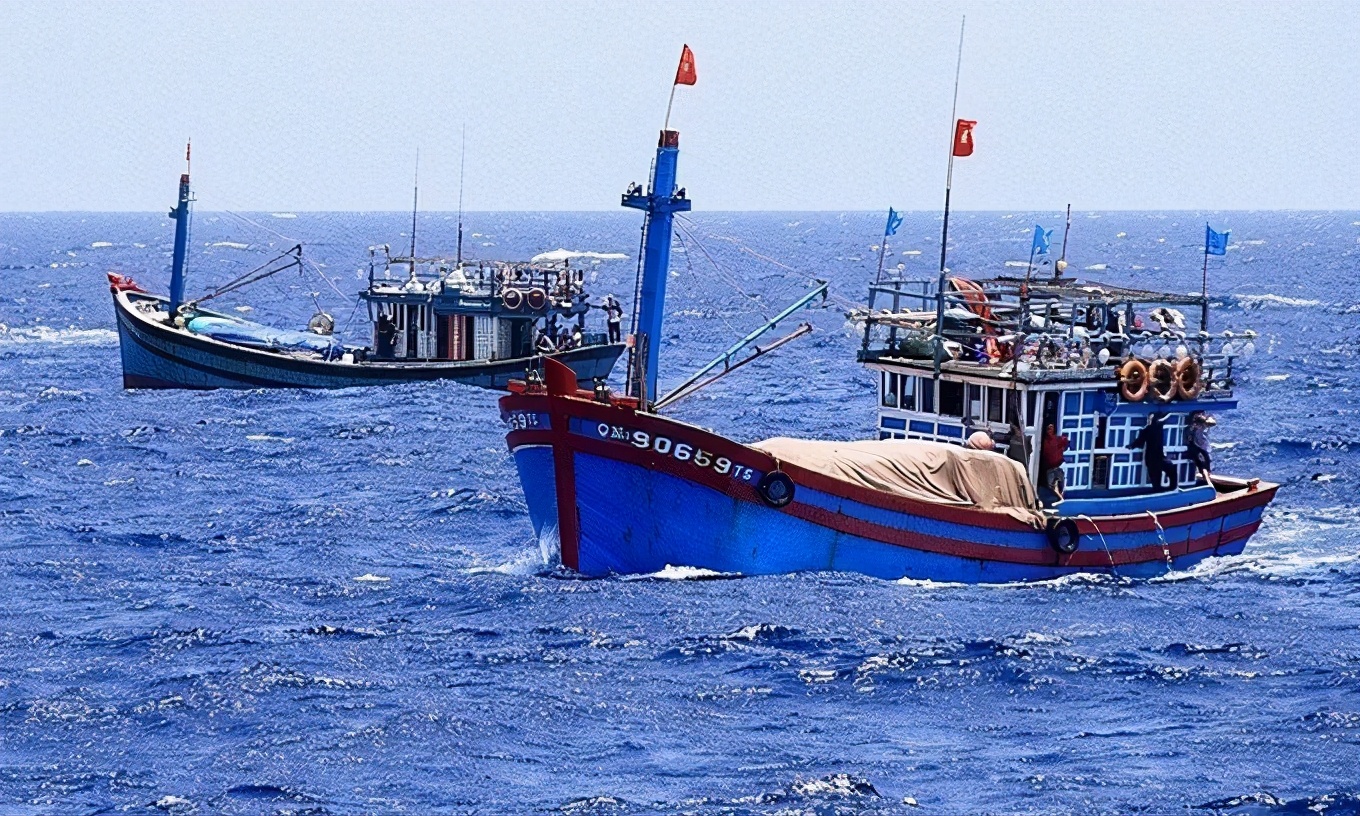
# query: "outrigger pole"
948,183
725,359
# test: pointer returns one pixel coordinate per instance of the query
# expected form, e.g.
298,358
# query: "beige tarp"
925,471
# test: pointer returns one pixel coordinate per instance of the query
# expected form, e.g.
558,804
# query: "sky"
301,106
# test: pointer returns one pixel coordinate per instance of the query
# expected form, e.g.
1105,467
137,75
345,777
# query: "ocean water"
330,602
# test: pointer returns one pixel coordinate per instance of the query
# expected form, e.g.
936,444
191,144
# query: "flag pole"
667,124
944,235
1204,285
881,250
1062,260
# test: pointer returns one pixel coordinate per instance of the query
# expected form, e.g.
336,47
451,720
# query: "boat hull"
616,491
158,356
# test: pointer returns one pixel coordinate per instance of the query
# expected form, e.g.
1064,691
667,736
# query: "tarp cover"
255,335
933,472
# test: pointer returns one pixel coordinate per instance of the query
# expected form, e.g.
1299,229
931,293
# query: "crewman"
1154,452
613,316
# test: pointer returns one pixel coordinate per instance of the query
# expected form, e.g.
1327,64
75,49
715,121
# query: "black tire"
1063,535
775,488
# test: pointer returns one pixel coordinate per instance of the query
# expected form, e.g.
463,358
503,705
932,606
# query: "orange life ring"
512,299
977,301
1162,380
536,298
1133,380
1189,385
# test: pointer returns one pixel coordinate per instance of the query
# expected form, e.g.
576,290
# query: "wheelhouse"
1014,357
427,309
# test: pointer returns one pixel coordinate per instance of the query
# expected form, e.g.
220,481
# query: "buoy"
1063,536
775,488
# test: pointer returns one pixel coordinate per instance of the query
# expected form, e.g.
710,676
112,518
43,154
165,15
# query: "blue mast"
660,203
181,215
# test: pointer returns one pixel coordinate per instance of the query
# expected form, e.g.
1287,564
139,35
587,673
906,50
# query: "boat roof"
1075,289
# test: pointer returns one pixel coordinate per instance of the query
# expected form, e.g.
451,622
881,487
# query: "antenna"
415,203
462,163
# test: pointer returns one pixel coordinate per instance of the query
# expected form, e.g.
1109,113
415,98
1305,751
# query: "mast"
180,214
660,202
462,163
948,184
415,204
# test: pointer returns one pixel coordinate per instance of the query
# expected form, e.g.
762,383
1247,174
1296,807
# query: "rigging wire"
847,306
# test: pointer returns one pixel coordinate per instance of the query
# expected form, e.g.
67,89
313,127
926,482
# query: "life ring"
977,301
1063,535
1133,380
775,488
536,298
512,299
1162,380
1188,383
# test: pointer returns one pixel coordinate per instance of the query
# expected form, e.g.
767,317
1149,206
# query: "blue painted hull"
157,356
609,505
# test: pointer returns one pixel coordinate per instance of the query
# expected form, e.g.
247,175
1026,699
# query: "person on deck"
1017,445
544,344
1154,452
1197,443
613,316
1051,460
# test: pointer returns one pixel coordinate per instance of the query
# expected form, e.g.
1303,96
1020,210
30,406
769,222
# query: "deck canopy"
923,471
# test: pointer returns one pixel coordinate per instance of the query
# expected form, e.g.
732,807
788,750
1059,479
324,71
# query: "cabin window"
908,401
975,401
1031,398
996,400
927,391
889,390
951,398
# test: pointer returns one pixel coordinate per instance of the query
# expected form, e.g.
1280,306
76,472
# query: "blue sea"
332,603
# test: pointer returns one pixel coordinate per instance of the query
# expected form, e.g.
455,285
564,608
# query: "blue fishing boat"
481,323
614,487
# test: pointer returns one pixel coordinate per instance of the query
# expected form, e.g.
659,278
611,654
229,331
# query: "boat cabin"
1014,357
435,309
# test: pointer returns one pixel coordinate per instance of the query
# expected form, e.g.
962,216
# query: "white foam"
1017,264
284,215
1272,301
370,578
673,573
230,245
926,583
568,254
269,438
70,336
100,245
1276,377
1097,267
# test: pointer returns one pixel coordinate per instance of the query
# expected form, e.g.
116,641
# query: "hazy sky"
799,106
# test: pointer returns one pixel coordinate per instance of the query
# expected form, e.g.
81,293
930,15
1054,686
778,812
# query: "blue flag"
1041,240
894,221
1215,243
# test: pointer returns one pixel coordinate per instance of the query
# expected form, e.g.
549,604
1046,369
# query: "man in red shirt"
1051,460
